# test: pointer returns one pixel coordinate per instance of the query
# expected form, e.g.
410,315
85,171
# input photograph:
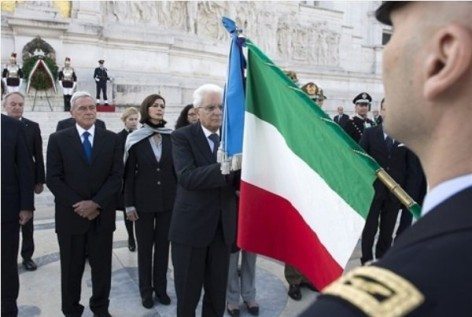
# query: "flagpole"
399,192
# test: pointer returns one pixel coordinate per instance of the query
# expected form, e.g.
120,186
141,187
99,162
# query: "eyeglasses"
212,108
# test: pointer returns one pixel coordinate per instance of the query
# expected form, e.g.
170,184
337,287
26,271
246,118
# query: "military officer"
68,81
12,74
427,75
356,125
101,76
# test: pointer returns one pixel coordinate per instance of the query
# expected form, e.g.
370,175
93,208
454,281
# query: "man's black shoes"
148,302
29,265
294,292
164,299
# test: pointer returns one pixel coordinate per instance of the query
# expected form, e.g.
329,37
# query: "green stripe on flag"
309,132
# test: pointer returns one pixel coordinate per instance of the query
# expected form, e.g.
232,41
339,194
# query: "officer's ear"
448,61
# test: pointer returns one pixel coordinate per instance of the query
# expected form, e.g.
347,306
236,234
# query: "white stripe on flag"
270,164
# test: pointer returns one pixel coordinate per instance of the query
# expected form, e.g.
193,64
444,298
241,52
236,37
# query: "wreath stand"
47,99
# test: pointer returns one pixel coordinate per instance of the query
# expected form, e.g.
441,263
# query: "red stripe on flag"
268,224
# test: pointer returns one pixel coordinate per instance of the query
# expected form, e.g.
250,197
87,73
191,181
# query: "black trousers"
67,99
194,267
27,244
102,86
152,230
129,227
10,280
386,208
72,251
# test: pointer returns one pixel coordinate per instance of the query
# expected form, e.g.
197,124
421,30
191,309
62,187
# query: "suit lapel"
98,143
76,143
148,151
202,142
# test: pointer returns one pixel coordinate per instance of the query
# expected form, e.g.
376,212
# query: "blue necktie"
87,147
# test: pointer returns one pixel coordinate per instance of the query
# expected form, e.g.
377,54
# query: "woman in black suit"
130,119
150,186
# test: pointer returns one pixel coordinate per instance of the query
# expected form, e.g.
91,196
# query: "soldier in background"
101,76
68,81
356,125
12,74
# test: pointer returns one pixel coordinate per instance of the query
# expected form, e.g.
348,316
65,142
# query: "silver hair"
78,95
4,102
201,91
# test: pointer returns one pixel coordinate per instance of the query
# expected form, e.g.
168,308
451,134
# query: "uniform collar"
445,190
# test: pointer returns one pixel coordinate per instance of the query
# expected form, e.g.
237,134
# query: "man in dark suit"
204,217
397,161
70,122
427,271
359,122
17,206
341,118
84,172
14,108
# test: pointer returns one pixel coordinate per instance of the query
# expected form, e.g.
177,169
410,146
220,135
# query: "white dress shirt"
81,131
444,191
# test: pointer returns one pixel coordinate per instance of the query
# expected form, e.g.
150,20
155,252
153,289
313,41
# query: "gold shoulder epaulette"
377,292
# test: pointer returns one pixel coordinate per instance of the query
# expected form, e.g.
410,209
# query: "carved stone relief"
280,35
209,19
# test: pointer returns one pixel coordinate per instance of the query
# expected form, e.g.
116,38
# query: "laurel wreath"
40,79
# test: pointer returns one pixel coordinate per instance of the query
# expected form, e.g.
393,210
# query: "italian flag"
306,186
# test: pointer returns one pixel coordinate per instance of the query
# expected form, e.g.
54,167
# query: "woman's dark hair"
182,121
147,102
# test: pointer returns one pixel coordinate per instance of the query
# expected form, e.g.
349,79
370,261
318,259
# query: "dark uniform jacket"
70,122
72,179
205,197
355,127
17,172
35,146
150,185
426,273
101,74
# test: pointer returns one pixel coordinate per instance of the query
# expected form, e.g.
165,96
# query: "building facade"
172,47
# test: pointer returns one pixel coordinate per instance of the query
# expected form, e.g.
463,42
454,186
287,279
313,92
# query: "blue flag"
233,114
